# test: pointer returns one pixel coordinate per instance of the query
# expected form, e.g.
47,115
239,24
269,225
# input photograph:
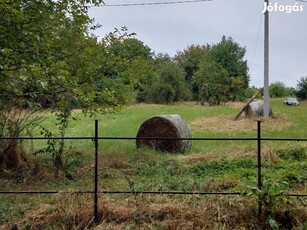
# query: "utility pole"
266,64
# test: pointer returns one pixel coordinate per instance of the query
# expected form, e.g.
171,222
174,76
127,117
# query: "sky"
170,28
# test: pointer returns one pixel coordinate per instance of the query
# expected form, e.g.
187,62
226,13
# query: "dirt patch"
226,124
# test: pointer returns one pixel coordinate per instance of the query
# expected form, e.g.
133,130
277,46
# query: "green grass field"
224,166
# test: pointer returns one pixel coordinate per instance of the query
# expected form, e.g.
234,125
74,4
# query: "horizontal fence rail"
159,138
96,191
141,192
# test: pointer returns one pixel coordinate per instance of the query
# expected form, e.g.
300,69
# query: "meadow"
210,166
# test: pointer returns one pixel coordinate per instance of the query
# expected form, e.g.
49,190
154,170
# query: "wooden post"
249,101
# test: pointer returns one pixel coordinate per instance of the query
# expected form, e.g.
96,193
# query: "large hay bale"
165,126
255,108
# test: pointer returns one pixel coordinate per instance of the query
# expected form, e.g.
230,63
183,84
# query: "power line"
260,24
154,3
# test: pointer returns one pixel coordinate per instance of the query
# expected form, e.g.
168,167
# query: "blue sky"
171,28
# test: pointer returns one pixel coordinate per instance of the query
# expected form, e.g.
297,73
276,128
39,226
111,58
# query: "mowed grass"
216,121
227,166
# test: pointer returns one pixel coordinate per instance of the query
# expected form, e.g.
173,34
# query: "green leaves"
217,73
302,88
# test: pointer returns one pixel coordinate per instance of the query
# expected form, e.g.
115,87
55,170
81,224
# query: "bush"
169,87
278,89
295,153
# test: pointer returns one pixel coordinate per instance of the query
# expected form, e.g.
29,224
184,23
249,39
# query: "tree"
189,60
301,89
227,55
278,89
127,60
56,60
132,48
230,55
169,86
292,91
213,83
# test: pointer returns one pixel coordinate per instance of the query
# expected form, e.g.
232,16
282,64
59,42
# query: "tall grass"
208,166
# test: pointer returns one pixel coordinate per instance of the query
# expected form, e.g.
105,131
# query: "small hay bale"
255,108
165,126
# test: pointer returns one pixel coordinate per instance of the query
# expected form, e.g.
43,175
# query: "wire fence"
96,190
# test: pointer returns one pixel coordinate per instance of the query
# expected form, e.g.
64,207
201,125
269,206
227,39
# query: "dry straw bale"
165,126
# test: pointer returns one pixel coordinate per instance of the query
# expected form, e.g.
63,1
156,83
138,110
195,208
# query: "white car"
291,101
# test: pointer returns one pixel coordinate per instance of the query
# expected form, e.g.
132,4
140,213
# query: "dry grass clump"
233,152
113,161
150,212
200,157
35,219
222,184
226,124
180,213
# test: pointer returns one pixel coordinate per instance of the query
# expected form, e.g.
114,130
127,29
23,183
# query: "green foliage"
291,91
212,81
56,63
37,57
169,86
272,197
249,92
55,147
223,167
301,89
190,58
73,161
9,208
222,74
132,48
172,171
230,56
125,67
278,89
294,153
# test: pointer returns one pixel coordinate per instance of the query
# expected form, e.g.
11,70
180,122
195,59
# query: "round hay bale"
165,126
255,108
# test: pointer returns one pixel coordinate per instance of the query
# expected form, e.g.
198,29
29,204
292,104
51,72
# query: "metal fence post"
259,170
96,174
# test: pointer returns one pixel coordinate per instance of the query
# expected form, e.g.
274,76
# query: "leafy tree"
169,85
230,55
160,60
292,91
132,48
55,61
190,58
278,89
127,60
213,83
227,55
249,92
301,89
